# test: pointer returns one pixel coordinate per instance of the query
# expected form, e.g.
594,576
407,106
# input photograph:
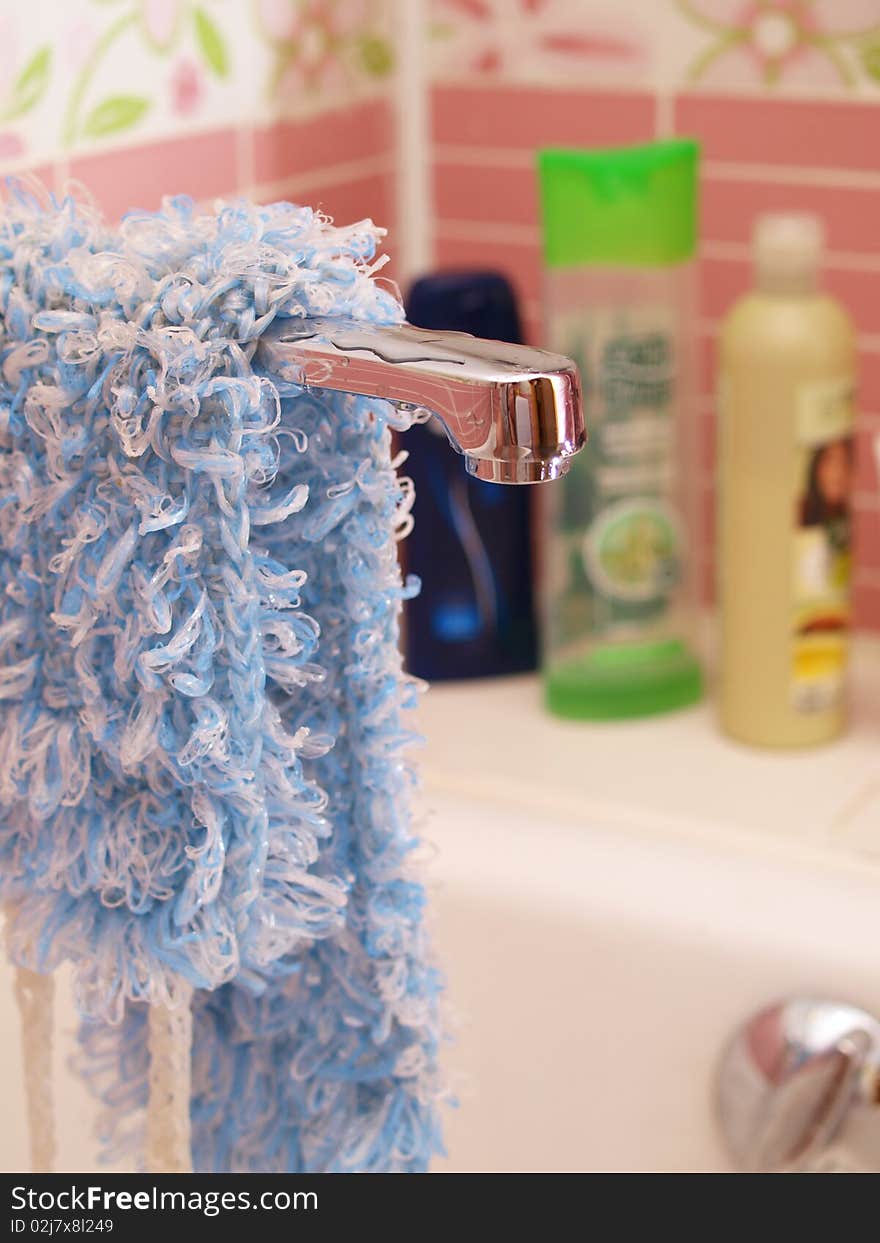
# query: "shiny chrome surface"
799,1090
515,413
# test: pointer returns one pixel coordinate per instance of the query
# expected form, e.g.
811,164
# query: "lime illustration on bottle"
632,550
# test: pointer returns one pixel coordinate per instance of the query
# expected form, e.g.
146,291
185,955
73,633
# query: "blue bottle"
471,544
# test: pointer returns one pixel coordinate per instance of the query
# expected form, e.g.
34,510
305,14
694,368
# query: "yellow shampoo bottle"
786,412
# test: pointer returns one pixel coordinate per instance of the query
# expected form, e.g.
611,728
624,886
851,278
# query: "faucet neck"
515,413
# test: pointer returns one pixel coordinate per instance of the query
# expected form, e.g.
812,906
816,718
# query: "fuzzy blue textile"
202,749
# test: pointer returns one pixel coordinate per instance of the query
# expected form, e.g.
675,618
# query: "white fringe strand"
35,995
168,1123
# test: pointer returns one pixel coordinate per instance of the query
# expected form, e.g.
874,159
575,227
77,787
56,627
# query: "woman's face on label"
832,475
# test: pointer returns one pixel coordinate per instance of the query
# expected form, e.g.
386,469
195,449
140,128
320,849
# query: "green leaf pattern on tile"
29,86
211,43
870,54
117,112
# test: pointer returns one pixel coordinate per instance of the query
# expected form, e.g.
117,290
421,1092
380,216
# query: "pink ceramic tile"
728,209
202,165
705,584
348,201
859,291
867,476
869,381
721,283
707,355
288,148
528,116
520,264
44,173
707,441
706,517
809,132
473,192
866,606
866,536
533,330
356,200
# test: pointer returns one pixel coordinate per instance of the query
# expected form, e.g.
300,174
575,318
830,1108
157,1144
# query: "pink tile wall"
527,117
203,165
291,148
759,153
339,160
833,133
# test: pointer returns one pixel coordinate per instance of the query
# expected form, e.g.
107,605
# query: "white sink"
614,900
594,976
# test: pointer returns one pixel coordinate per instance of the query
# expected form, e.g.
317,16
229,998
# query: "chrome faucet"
515,413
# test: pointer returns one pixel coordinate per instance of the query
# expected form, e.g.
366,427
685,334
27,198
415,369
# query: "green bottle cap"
625,205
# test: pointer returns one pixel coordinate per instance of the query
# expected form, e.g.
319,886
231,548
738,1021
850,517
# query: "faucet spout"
515,413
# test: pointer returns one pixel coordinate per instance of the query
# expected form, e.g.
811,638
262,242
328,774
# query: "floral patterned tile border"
779,43
83,74
76,75
793,47
553,41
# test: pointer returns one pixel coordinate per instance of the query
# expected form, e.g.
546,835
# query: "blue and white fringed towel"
203,786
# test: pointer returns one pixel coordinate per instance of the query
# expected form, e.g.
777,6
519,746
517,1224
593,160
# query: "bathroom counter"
493,741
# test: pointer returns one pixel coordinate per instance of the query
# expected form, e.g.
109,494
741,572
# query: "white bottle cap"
788,251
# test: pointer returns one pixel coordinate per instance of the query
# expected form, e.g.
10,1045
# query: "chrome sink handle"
515,413
799,1089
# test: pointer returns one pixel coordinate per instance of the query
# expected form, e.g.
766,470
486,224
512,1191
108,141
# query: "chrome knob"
798,1089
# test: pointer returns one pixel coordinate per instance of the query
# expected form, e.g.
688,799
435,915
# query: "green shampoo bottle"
617,565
